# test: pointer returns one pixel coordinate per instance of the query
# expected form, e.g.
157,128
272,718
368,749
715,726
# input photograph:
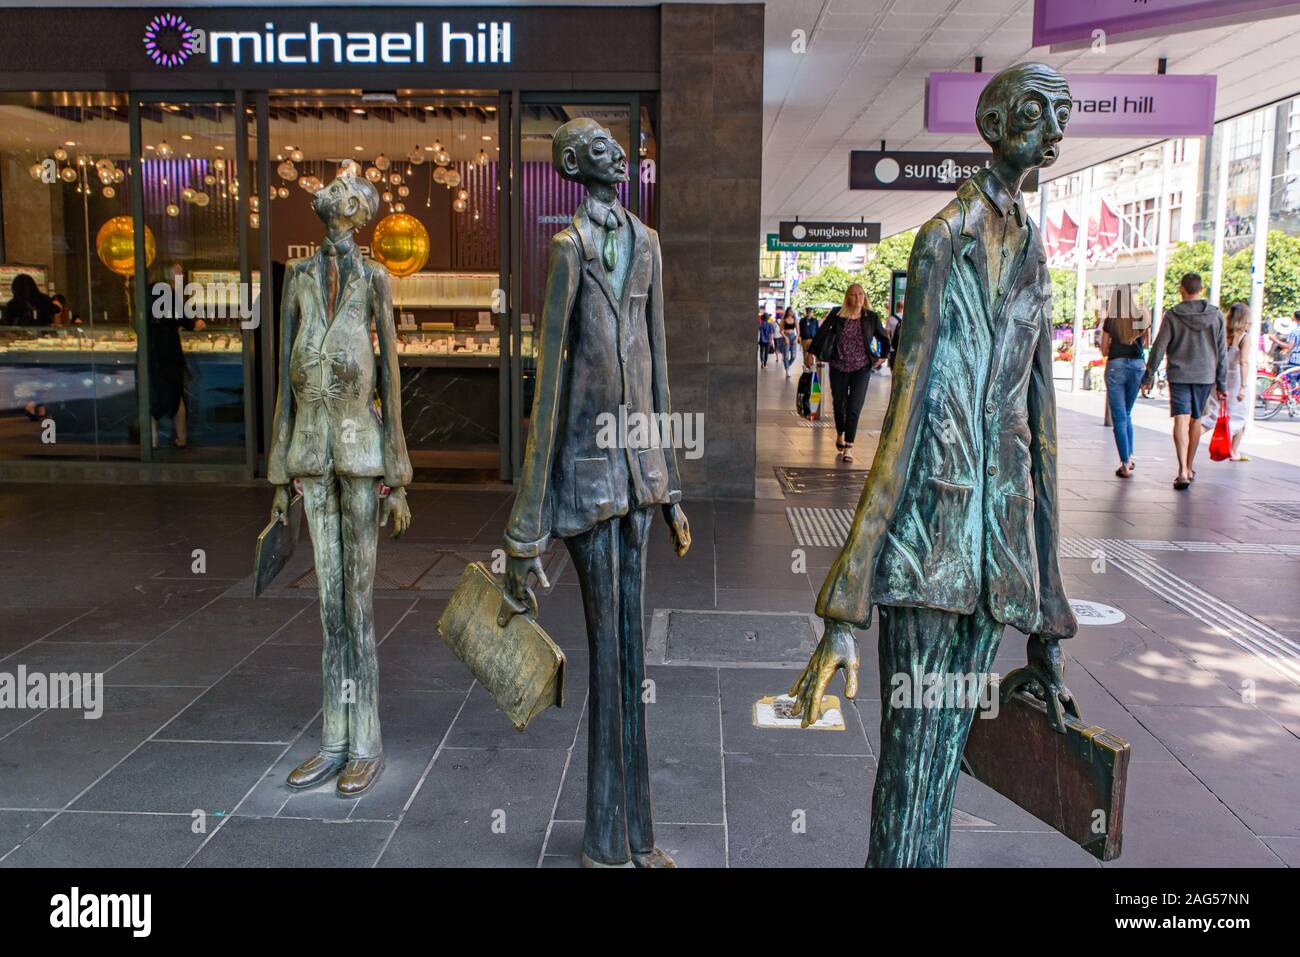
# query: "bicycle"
1273,392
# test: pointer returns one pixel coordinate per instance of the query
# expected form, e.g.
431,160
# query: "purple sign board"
1140,105
1068,22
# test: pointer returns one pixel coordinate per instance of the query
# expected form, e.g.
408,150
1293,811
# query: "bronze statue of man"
956,533
601,353
329,434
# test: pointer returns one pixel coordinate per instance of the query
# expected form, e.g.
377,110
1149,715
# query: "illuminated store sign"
1104,104
170,41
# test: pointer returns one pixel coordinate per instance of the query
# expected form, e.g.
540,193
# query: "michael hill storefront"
156,169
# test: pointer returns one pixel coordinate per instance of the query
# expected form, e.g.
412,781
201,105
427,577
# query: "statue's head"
1022,114
585,152
350,201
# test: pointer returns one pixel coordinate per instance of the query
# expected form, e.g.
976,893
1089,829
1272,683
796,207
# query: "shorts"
1189,398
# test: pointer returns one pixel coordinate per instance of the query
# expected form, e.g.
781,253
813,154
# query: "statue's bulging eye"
1031,110
1063,115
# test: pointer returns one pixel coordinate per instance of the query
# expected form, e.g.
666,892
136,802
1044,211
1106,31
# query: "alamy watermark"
213,300
939,689
651,430
35,690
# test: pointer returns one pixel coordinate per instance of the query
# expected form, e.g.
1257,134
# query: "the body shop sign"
169,40
1136,105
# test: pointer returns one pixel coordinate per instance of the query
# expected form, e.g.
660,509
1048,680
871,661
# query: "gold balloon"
401,243
115,245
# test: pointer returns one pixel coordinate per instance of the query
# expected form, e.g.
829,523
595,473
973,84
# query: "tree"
891,254
1064,282
1281,273
829,285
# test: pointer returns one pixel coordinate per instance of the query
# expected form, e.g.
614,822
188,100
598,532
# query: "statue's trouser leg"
921,743
609,559
321,504
359,508
636,761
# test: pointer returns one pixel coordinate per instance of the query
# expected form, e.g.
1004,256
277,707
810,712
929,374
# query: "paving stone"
450,823
769,795
181,778
75,840
292,842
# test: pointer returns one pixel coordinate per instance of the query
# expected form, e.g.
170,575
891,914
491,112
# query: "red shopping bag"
1221,443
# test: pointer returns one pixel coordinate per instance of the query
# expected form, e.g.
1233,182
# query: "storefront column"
710,179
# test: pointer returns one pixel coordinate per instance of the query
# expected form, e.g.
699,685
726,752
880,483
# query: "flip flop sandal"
1120,473
1182,484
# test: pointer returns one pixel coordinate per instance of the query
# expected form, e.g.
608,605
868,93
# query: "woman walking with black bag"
844,341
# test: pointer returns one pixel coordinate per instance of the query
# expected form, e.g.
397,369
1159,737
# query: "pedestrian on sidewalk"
1238,369
807,332
1123,343
790,335
1193,336
844,341
766,327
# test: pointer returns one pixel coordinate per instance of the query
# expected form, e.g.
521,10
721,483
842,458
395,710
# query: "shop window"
67,343
548,202
197,311
434,163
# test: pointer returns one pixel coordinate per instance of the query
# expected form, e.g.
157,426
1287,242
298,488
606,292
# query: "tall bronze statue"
601,352
955,535
329,434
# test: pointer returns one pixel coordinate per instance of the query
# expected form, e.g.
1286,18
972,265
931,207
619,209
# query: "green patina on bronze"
955,534
328,434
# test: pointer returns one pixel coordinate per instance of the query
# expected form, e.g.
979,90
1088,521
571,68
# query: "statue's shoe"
316,769
359,775
588,862
653,858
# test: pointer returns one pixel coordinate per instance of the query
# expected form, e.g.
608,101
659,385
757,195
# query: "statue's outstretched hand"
680,528
395,507
837,649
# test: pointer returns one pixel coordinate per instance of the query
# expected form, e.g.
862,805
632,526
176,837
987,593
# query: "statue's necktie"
331,278
609,251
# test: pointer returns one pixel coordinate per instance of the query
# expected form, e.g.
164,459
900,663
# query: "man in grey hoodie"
1194,338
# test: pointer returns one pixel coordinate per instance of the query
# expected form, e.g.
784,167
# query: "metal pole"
1220,212
1162,237
1081,279
1257,268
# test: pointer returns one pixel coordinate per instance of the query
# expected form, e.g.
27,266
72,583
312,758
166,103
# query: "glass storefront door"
433,160
196,307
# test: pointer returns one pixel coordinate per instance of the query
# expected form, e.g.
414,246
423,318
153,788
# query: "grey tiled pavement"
211,697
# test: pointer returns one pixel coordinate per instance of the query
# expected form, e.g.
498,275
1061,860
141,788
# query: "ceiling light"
358,111
186,136
358,148
487,137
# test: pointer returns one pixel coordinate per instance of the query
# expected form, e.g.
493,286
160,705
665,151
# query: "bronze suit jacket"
325,414
960,505
595,353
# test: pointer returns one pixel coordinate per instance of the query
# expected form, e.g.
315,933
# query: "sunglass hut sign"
170,41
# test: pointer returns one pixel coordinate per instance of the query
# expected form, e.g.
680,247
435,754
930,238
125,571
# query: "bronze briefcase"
1073,781
275,546
506,650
